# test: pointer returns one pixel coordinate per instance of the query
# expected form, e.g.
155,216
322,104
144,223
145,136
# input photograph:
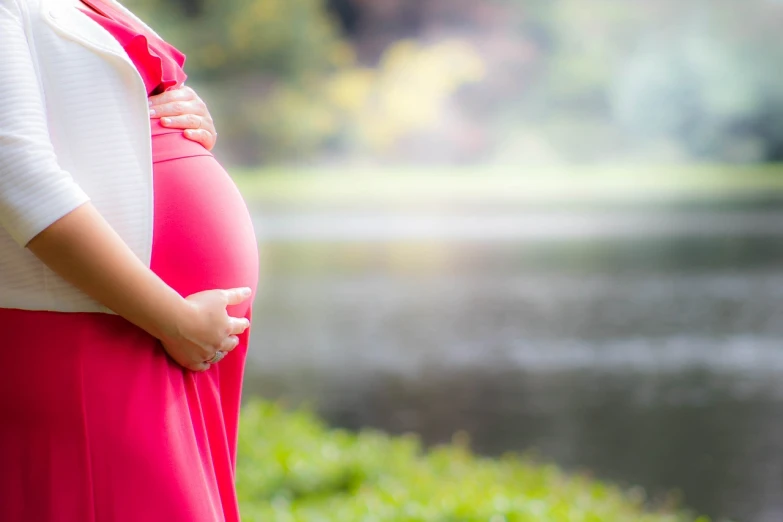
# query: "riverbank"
711,185
292,468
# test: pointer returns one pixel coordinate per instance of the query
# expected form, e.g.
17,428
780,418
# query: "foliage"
662,80
495,81
291,40
292,468
258,63
353,110
405,94
290,86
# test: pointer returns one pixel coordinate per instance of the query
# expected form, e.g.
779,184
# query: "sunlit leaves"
293,469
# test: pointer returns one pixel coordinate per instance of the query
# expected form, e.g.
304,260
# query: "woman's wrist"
168,324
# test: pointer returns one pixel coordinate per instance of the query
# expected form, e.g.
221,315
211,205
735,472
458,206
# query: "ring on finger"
217,357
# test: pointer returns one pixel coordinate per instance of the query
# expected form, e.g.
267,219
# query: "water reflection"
649,361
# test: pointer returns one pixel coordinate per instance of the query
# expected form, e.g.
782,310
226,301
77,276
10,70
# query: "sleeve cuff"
44,208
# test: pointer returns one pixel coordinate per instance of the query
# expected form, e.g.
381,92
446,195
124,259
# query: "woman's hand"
183,109
204,328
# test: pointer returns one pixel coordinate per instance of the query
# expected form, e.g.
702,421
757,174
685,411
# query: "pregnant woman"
128,264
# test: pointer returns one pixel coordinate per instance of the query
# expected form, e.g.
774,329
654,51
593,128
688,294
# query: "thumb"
236,296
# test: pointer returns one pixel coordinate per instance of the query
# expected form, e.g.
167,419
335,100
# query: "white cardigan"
74,127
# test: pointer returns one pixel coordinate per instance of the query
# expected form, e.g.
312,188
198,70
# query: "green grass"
491,186
294,469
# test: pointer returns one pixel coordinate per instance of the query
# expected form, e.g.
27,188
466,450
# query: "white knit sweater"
74,127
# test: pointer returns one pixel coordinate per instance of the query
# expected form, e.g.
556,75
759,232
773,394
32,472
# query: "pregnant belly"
203,236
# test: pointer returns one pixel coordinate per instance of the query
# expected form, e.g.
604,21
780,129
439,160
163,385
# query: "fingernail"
246,292
149,102
166,121
153,112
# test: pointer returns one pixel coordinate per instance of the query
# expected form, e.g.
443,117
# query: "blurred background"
556,225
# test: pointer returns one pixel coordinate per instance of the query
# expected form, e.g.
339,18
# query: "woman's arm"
43,208
84,250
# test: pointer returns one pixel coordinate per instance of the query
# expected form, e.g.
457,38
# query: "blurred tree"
406,95
287,39
651,81
708,79
563,80
260,64
348,13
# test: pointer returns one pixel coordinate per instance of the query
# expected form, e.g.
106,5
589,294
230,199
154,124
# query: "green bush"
292,468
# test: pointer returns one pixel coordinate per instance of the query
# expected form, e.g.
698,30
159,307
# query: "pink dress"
97,423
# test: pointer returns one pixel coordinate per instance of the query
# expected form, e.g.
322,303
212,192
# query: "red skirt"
98,423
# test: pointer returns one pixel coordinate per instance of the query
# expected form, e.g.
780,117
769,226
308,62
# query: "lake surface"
642,346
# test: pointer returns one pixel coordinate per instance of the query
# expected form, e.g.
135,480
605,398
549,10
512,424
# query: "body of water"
642,347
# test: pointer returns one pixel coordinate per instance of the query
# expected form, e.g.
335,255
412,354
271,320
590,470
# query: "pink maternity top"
98,423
